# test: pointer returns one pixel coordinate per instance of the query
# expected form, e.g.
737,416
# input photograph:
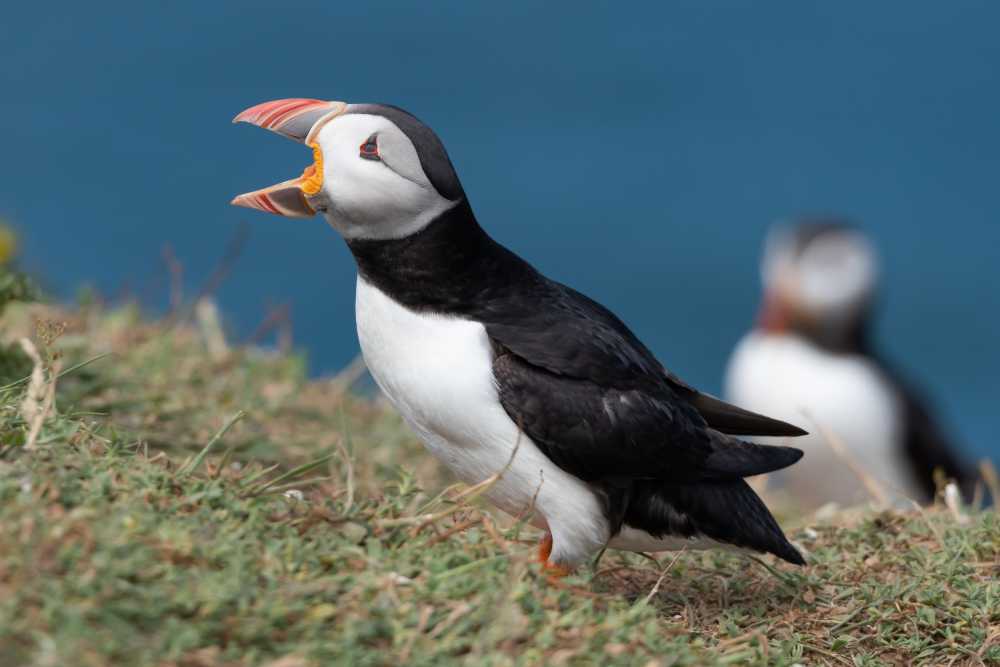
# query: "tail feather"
732,458
728,418
728,512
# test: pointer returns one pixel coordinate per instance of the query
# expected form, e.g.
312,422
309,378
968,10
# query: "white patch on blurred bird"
788,377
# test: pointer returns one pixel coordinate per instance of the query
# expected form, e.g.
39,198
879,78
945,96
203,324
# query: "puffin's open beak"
300,120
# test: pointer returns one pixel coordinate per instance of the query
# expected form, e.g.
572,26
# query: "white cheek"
372,201
366,198
835,290
370,191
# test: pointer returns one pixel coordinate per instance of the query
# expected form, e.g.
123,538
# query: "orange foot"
554,571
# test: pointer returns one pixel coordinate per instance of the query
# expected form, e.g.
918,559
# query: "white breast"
789,378
437,371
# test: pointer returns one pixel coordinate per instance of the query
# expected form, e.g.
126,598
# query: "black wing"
599,404
568,334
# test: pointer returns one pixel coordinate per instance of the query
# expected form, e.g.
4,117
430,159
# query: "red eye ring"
369,149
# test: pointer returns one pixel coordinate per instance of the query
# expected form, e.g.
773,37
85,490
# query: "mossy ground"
300,537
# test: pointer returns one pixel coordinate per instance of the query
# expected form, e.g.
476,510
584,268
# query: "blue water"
635,152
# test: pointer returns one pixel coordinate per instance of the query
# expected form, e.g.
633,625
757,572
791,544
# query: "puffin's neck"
853,337
450,266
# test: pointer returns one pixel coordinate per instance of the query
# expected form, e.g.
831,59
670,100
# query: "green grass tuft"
190,510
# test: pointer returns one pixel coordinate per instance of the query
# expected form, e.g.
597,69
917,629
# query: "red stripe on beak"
269,114
263,201
295,118
284,199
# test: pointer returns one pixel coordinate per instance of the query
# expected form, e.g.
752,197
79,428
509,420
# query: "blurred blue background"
635,152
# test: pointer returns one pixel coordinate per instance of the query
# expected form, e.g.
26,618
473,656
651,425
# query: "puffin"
502,372
811,357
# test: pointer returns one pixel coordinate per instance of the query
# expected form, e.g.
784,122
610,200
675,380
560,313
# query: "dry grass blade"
227,456
284,477
468,494
350,374
425,617
829,654
457,528
348,476
297,484
61,374
833,441
219,274
456,613
249,481
40,395
193,465
663,575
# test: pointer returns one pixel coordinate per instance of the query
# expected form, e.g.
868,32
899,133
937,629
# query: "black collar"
451,266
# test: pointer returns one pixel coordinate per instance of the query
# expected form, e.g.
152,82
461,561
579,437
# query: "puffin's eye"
369,149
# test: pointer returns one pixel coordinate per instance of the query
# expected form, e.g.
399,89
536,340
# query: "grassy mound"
178,502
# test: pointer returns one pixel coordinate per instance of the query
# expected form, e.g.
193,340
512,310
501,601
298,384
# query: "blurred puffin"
811,357
500,370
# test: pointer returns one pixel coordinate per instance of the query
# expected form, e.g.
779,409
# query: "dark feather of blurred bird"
811,355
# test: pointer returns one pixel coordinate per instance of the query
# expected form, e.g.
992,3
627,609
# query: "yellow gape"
311,181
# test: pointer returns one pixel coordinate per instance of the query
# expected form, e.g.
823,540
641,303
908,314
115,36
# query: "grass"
190,506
